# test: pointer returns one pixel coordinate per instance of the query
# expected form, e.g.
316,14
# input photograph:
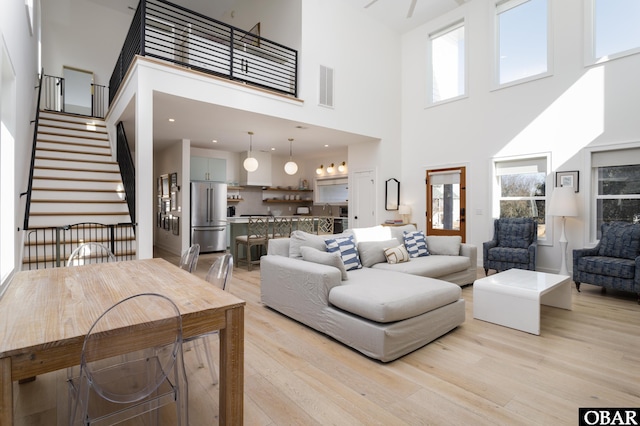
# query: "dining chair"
281,227
257,236
90,252
325,225
305,223
113,387
219,275
189,259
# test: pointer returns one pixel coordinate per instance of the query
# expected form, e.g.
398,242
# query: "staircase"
75,181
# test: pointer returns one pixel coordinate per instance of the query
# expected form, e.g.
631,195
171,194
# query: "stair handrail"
127,170
33,154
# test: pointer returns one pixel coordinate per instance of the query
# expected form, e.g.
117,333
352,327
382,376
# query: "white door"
364,200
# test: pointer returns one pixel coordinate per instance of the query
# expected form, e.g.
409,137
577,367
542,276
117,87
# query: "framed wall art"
571,179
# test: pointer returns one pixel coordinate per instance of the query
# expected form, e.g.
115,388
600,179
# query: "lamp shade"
404,209
291,168
563,202
250,164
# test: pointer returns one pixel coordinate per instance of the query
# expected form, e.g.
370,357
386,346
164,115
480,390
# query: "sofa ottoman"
386,315
380,302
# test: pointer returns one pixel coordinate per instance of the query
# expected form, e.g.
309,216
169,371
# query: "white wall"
84,35
20,55
575,108
166,162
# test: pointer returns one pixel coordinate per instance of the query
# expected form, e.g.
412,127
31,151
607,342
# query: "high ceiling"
203,123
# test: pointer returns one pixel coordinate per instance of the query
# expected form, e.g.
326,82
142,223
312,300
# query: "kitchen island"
238,226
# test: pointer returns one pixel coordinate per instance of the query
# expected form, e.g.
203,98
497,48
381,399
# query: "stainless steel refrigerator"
209,216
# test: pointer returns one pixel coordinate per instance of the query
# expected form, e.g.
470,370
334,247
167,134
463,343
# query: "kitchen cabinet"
205,168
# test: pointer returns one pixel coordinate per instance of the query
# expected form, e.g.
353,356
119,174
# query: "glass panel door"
446,202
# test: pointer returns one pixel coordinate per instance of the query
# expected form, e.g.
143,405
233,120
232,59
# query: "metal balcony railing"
169,32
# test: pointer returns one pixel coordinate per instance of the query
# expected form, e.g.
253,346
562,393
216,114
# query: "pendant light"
291,167
250,164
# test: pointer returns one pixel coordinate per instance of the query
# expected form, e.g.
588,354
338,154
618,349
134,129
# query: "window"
521,189
522,40
617,186
612,29
447,59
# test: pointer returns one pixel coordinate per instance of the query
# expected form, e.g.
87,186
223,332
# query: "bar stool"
257,236
305,223
282,227
325,225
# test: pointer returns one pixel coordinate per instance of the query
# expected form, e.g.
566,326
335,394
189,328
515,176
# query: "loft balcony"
168,32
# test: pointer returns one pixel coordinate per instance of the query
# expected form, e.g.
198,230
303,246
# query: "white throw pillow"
372,252
334,259
301,239
444,245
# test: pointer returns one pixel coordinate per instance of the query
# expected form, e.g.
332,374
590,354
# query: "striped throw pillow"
346,246
416,243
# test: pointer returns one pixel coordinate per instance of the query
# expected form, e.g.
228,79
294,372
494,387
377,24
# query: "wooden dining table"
45,315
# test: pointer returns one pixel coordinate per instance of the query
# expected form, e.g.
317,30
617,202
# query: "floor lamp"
563,204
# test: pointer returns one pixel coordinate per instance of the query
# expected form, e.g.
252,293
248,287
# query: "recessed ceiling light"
273,149
214,141
326,145
171,120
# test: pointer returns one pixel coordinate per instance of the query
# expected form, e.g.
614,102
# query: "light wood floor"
480,373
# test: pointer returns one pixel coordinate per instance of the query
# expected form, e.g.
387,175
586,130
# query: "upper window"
521,189
522,40
612,29
617,189
447,60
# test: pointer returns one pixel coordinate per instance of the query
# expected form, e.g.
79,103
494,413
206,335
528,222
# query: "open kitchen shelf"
266,200
292,189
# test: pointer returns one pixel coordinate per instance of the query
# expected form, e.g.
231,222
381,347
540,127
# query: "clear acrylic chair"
220,276
189,259
113,387
91,252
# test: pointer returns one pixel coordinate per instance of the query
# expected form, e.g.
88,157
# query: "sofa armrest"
470,251
486,246
578,253
278,246
636,280
533,250
296,287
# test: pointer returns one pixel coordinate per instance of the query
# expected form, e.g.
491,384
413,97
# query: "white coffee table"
512,298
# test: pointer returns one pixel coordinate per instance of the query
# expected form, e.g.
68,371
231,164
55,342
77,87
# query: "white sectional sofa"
382,310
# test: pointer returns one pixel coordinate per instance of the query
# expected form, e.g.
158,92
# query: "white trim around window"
590,55
607,155
531,163
442,31
502,6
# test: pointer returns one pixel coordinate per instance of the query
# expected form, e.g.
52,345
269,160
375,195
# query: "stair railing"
33,154
127,170
50,247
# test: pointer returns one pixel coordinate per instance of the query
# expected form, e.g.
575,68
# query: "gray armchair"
514,245
615,262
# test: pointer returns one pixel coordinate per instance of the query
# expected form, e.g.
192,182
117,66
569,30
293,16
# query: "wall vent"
326,86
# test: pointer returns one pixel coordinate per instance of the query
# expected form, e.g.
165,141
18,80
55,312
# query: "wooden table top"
50,308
